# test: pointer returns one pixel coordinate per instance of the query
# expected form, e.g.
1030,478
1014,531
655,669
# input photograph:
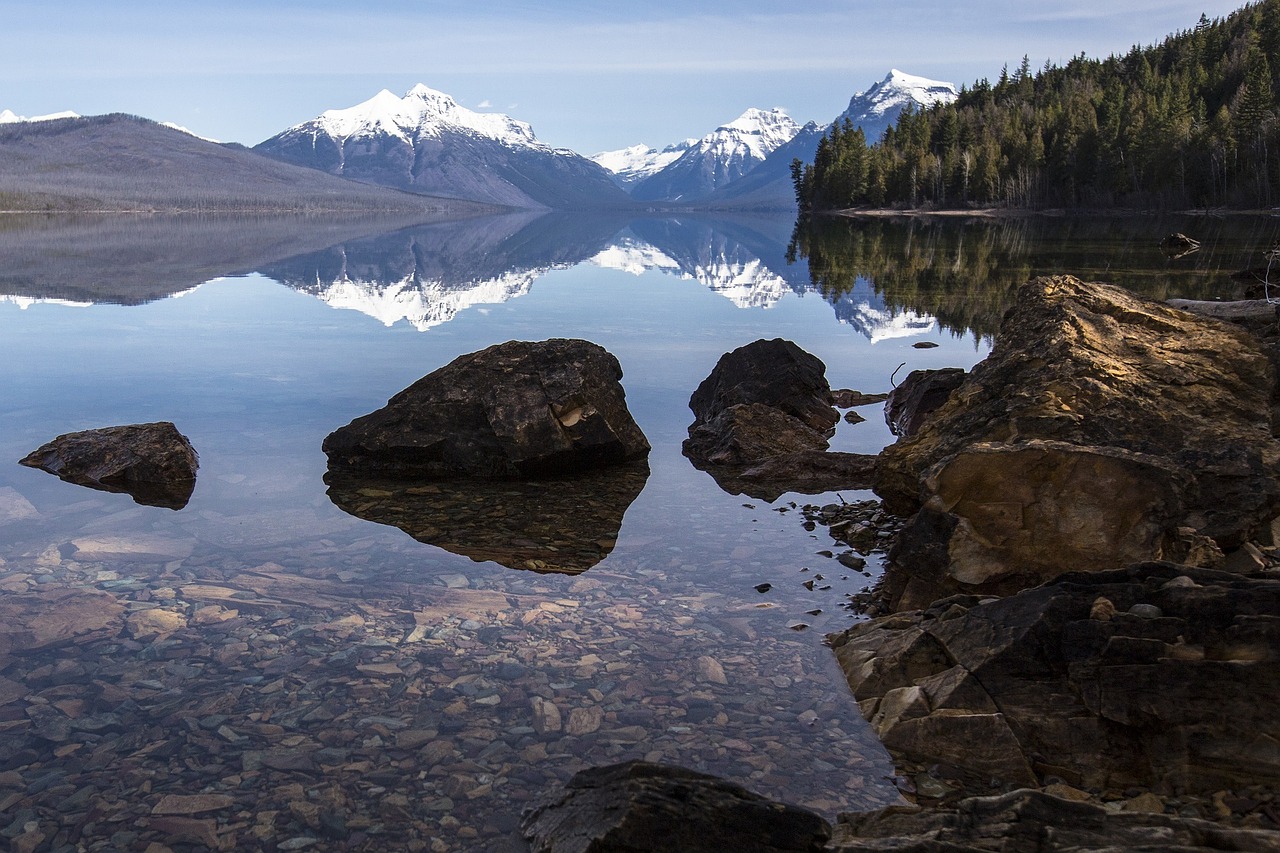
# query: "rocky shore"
1080,625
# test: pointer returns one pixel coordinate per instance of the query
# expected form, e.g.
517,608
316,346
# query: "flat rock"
1037,683
518,409
635,806
138,546
15,507
56,617
153,463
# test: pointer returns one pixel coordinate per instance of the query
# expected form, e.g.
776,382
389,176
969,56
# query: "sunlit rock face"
152,463
564,525
1103,429
515,410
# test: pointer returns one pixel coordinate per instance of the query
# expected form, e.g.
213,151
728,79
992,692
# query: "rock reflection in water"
564,526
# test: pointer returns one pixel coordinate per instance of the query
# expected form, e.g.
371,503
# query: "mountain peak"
422,112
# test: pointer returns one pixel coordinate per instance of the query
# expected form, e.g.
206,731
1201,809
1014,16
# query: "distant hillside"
120,162
1193,121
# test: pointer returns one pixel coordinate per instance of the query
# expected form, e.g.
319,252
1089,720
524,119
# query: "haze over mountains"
390,151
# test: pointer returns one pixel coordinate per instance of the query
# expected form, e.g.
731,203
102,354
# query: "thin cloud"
485,104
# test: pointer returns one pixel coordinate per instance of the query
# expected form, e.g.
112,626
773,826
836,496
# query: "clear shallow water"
405,687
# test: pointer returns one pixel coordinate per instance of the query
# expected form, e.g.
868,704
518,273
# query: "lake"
261,667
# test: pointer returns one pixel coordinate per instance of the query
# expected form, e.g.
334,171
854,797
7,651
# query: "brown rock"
1143,426
153,463
53,618
155,622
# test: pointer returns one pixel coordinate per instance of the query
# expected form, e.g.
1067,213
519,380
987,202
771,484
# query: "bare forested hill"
119,162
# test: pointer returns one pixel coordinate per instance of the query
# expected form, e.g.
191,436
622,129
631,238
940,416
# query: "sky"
590,76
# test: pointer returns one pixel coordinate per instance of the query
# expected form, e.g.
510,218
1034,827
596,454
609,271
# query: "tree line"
1190,122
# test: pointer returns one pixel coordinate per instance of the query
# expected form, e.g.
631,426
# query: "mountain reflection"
561,526
884,278
426,275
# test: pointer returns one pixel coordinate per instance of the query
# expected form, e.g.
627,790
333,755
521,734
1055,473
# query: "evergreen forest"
1191,122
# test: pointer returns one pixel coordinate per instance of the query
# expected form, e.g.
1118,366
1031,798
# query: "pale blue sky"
587,76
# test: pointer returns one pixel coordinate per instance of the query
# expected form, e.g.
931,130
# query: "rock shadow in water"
564,525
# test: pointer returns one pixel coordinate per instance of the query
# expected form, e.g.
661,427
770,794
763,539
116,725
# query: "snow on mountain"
426,142
188,132
10,117
635,163
722,156
423,112
879,106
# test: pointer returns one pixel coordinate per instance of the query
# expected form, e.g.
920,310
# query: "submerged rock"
1103,429
552,525
762,421
1169,686
152,463
637,806
515,410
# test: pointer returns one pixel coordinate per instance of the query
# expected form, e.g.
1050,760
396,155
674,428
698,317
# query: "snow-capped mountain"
879,106
720,157
10,117
636,162
426,142
768,185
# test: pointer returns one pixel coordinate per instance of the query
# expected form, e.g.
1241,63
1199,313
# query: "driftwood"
1244,309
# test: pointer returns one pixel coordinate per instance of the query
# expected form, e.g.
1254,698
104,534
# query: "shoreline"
1020,213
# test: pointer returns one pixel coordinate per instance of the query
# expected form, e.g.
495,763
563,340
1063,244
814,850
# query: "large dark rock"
153,463
762,421
563,526
637,807
1102,429
775,373
1033,822
514,410
1158,675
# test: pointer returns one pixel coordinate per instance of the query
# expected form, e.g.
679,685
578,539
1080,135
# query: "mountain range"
390,151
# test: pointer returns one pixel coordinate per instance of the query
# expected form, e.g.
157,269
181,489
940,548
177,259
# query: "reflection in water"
427,274
130,260
562,526
966,273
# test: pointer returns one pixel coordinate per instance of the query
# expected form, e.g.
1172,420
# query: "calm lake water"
330,678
